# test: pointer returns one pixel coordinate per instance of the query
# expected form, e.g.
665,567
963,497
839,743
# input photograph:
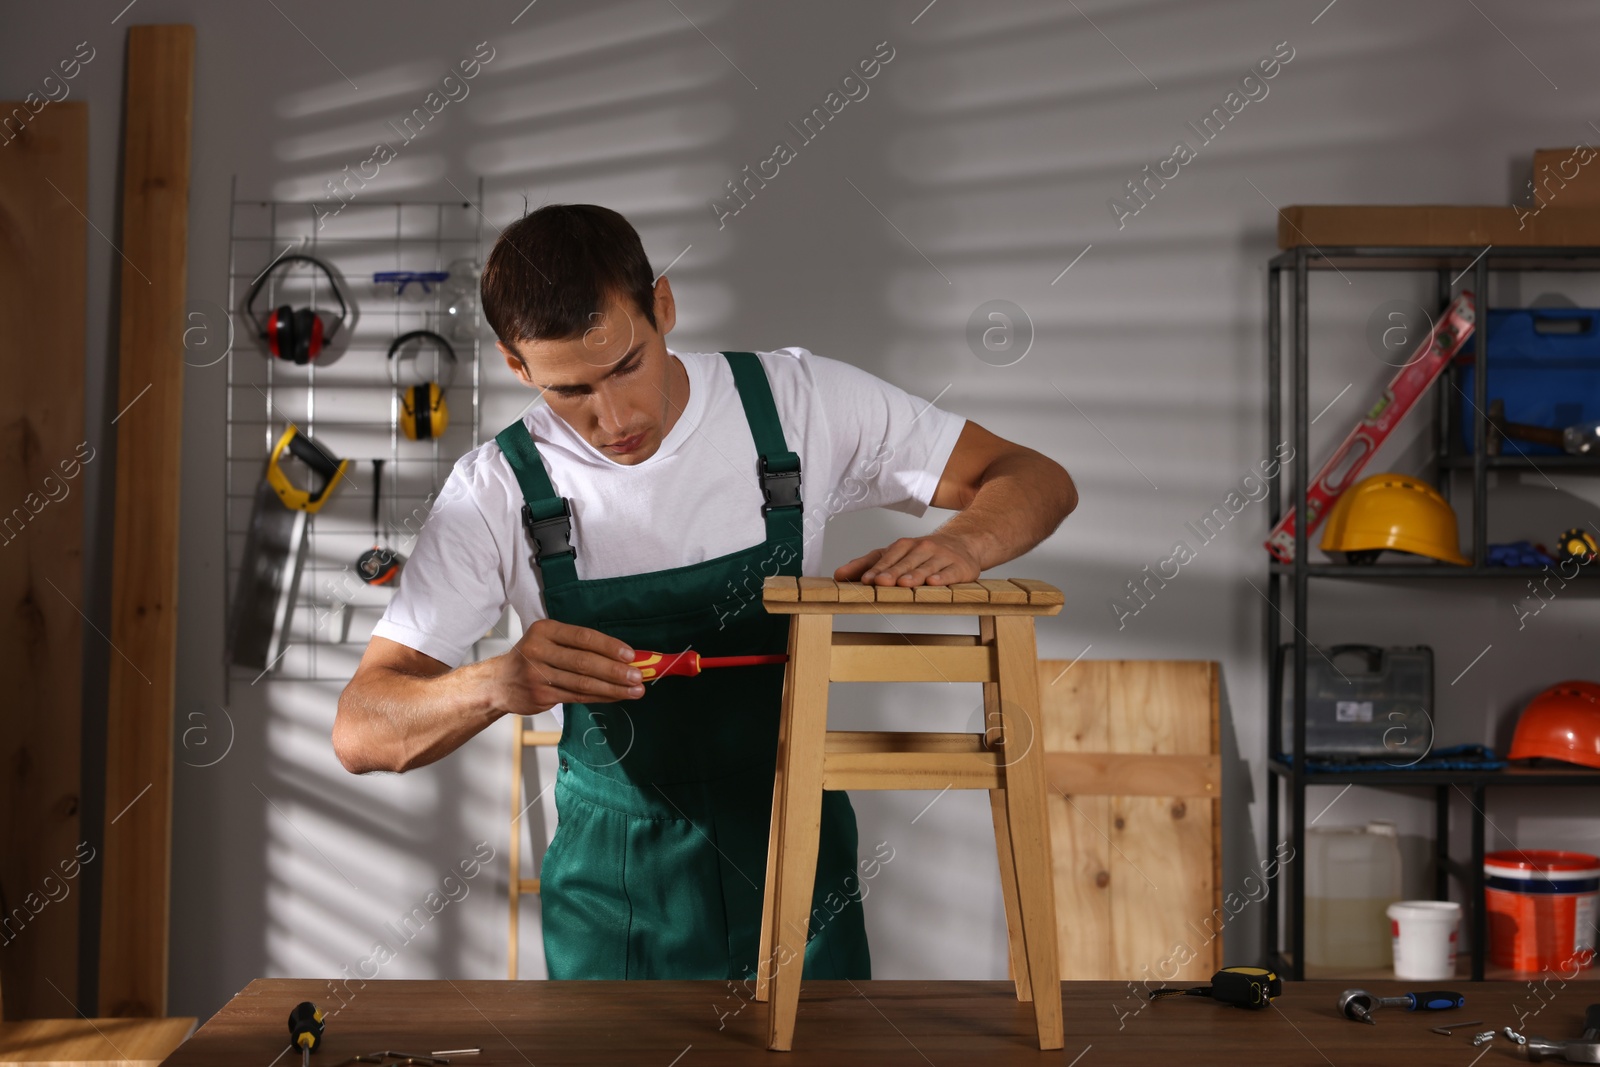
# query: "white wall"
993,141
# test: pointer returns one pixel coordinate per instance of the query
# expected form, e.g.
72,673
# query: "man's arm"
1007,498
404,709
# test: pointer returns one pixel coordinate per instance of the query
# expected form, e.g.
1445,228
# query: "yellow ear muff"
423,412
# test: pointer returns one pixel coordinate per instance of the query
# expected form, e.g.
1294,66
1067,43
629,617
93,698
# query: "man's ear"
515,362
666,307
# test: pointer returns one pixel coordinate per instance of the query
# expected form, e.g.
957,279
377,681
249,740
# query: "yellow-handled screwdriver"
305,1029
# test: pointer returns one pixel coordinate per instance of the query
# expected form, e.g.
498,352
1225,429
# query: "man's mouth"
627,444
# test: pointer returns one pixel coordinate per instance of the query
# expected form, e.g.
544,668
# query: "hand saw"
1427,362
274,550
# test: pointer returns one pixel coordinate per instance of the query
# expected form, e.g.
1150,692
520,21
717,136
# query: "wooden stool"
811,758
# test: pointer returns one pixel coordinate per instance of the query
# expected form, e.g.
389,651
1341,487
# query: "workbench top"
920,1023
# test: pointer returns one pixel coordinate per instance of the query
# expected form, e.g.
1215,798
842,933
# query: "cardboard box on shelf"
1566,177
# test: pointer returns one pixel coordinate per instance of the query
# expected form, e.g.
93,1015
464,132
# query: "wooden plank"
1161,860
1435,225
824,590
1075,721
904,605
781,587
931,594
144,610
898,760
45,448
855,593
912,663
1003,592
969,593
893,594
1149,905
1132,774
92,1042
911,770
872,637
1164,855
1039,592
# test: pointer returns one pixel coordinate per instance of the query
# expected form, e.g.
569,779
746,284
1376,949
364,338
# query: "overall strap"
779,468
545,516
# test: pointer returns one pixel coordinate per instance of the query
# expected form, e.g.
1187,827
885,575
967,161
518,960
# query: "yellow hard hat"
1392,511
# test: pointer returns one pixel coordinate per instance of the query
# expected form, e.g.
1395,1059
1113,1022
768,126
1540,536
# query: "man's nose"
610,412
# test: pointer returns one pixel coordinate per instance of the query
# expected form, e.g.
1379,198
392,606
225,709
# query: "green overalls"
659,858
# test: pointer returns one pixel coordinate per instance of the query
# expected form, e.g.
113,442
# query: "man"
640,507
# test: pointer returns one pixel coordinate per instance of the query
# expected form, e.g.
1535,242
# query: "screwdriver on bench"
653,665
305,1029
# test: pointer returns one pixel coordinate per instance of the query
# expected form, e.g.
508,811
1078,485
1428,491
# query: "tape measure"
1243,987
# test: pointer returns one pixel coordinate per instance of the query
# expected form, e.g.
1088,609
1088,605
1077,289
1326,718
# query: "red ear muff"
297,334
307,335
280,330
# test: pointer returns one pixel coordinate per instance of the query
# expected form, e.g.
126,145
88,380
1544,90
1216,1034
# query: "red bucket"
1541,907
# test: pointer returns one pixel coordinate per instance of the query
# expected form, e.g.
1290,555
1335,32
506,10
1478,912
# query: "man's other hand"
933,559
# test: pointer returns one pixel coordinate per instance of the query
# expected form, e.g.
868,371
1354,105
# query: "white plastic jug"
1352,876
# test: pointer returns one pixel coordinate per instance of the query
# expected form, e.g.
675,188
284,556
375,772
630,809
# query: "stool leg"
800,815
1016,946
1026,813
769,944
1017,952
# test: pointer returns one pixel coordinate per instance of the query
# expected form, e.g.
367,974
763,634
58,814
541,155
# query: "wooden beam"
43,449
1124,774
889,760
912,663
144,609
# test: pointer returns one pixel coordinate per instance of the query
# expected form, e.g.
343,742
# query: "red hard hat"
1563,723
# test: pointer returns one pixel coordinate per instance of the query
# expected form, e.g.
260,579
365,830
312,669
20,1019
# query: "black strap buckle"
780,488
552,536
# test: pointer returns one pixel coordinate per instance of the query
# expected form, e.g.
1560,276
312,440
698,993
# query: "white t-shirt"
862,443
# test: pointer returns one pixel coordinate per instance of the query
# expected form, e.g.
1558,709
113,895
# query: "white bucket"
1424,933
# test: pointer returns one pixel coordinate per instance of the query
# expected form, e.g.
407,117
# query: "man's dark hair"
552,269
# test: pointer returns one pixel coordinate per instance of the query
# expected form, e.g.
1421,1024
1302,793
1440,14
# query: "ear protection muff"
296,334
423,413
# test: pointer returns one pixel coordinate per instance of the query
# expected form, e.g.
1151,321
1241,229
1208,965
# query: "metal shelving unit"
1287,780
348,404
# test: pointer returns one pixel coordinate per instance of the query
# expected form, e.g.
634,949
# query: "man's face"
616,384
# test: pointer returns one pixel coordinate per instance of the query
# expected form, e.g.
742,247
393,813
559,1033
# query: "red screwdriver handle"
653,665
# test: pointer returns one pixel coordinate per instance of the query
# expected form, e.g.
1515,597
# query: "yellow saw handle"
313,455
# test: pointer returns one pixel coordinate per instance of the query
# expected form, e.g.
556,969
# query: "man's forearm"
396,721
1021,501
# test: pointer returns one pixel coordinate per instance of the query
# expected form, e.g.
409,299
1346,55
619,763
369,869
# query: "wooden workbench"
676,1024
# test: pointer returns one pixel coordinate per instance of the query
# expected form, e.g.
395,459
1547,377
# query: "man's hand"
557,663
933,559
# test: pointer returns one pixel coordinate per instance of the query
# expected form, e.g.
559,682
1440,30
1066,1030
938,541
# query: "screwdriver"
653,665
1359,1005
305,1029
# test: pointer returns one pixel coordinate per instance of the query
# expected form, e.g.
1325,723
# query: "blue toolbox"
1544,363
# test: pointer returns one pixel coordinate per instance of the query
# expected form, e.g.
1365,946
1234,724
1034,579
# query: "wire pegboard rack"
345,399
